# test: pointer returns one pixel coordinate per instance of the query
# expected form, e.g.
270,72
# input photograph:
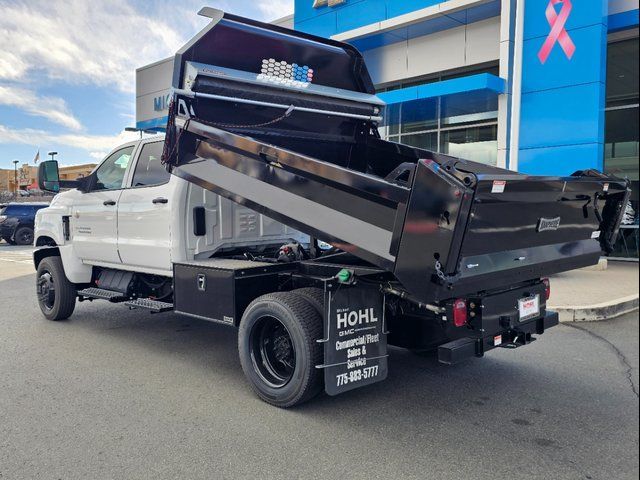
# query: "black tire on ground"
23,236
56,294
277,343
315,296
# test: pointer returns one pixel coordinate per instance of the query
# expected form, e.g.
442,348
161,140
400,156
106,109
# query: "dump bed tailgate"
531,226
511,213
491,228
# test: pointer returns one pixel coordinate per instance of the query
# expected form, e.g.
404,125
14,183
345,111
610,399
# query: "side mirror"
49,176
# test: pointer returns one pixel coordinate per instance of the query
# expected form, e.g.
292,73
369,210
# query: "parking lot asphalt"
114,393
15,260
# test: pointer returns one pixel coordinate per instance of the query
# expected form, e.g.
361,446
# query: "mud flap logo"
547,224
353,318
355,350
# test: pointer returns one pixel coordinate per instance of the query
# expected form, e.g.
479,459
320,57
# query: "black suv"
16,222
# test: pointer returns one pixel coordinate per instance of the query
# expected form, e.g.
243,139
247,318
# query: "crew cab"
130,214
274,206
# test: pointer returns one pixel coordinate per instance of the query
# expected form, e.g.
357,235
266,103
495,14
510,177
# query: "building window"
622,132
419,115
479,144
426,140
465,126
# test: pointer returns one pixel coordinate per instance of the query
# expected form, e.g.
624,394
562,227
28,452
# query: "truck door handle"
109,203
159,200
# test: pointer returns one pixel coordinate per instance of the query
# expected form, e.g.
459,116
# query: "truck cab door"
144,213
94,222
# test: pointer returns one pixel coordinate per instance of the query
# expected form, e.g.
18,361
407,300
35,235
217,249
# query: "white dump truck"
272,146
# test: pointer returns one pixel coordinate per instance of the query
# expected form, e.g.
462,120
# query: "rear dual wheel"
279,349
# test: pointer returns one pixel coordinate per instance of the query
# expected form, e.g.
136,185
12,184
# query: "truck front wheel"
56,294
278,347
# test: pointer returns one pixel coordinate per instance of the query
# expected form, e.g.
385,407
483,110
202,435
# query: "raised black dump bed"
286,124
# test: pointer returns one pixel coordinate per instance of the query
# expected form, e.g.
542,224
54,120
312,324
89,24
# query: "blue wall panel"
322,25
304,9
561,116
482,82
400,7
360,14
623,20
352,14
475,14
562,160
583,65
562,109
583,14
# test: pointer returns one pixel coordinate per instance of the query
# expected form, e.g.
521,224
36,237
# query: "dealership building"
545,87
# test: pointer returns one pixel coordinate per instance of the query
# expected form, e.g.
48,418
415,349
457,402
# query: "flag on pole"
37,157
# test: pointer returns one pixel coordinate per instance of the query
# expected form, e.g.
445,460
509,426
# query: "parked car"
16,222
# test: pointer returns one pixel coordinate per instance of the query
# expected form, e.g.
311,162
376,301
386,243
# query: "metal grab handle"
159,200
109,203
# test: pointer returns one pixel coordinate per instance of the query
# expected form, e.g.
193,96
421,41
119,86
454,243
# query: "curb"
600,311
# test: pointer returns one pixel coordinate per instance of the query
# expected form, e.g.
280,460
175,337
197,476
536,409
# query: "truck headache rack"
286,123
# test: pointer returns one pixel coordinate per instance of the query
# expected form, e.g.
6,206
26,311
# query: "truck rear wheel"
313,295
56,294
278,347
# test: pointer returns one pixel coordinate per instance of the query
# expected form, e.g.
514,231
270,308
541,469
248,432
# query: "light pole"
53,155
15,178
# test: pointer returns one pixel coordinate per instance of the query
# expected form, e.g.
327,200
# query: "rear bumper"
464,348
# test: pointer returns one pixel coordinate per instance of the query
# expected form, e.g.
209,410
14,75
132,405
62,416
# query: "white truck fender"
74,269
49,229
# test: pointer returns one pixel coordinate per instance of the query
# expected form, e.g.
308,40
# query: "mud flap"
355,340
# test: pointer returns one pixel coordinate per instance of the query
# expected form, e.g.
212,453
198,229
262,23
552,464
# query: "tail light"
547,288
460,312
2,218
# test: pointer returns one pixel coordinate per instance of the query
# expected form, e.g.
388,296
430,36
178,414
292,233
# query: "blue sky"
67,68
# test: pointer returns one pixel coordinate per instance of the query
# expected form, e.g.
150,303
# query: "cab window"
149,170
110,174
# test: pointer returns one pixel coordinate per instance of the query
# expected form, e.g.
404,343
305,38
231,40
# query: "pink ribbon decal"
558,32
